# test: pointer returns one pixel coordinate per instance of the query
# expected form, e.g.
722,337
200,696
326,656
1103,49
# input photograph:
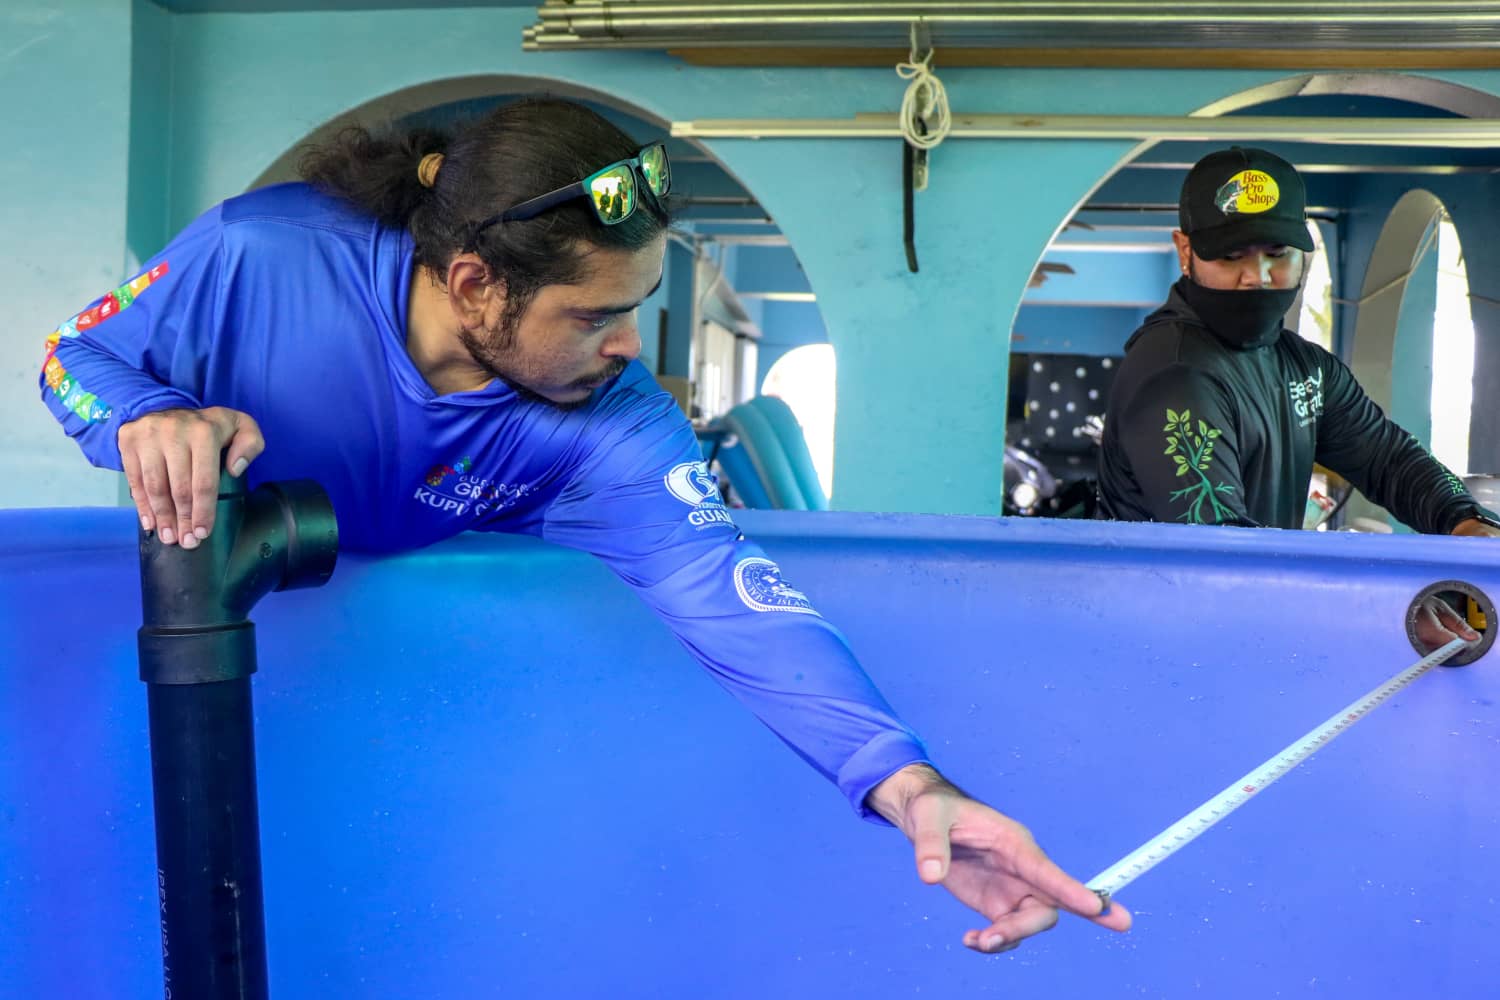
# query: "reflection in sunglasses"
614,194
654,165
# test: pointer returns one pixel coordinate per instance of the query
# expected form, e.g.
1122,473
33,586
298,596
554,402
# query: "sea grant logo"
453,490
1307,398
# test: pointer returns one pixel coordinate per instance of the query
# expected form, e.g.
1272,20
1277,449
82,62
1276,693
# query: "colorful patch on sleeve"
86,405
53,372
113,302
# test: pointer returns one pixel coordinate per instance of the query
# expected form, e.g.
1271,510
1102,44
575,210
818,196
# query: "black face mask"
1242,318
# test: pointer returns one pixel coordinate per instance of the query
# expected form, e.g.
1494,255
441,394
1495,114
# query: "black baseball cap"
1239,197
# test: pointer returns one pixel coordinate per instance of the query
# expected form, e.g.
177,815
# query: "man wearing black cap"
1218,413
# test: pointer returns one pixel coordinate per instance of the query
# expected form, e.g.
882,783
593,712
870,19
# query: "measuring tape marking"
1185,830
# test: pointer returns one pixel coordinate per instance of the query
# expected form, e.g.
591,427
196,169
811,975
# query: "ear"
476,297
1184,249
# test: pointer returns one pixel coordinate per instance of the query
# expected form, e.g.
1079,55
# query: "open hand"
988,861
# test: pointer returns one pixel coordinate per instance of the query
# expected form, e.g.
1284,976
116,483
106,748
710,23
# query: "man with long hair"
440,329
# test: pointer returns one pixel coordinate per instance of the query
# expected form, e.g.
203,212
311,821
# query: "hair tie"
427,170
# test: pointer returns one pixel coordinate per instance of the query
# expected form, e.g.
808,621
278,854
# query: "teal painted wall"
65,71
150,164
921,357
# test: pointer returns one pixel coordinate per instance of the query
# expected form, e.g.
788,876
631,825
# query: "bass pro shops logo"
694,485
1248,192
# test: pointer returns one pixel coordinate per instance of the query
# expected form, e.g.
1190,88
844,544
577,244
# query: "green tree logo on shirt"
1193,451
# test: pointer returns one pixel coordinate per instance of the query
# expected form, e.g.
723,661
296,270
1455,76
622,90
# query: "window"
804,378
1452,354
1315,322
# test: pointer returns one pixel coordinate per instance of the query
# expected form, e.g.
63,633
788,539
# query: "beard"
495,353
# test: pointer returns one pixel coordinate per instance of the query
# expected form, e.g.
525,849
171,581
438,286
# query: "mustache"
612,370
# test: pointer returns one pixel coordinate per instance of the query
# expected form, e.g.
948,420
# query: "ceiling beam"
1473,133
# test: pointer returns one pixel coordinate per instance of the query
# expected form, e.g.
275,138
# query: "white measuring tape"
1187,829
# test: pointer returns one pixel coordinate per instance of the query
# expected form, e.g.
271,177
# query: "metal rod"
1004,8
780,296
1345,25
1472,133
631,14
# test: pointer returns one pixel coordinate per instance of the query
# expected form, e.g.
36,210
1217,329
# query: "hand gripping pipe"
197,652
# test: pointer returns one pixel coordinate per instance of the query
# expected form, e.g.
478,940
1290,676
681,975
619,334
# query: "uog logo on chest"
1248,192
694,485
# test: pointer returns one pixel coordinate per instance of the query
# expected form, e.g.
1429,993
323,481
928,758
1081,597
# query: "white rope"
925,102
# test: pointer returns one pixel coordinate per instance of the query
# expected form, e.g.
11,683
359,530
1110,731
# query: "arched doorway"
1111,262
734,297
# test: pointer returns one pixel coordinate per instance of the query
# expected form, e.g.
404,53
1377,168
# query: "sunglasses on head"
612,191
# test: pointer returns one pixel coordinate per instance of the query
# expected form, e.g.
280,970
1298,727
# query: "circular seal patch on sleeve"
759,584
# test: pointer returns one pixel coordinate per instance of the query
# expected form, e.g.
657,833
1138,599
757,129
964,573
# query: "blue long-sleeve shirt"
290,306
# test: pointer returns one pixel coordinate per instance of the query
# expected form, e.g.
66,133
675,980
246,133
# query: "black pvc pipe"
213,941
197,652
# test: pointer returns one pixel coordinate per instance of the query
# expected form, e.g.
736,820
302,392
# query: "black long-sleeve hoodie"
1207,431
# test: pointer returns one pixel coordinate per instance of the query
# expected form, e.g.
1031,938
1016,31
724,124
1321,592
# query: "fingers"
1111,914
992,864
172,460
1032,916
245,444
132,466
156,484
1437,624
179,463
1451,620
1051,882
1429,632
203,441
929,837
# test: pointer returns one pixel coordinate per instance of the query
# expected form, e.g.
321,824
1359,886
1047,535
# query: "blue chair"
760,447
